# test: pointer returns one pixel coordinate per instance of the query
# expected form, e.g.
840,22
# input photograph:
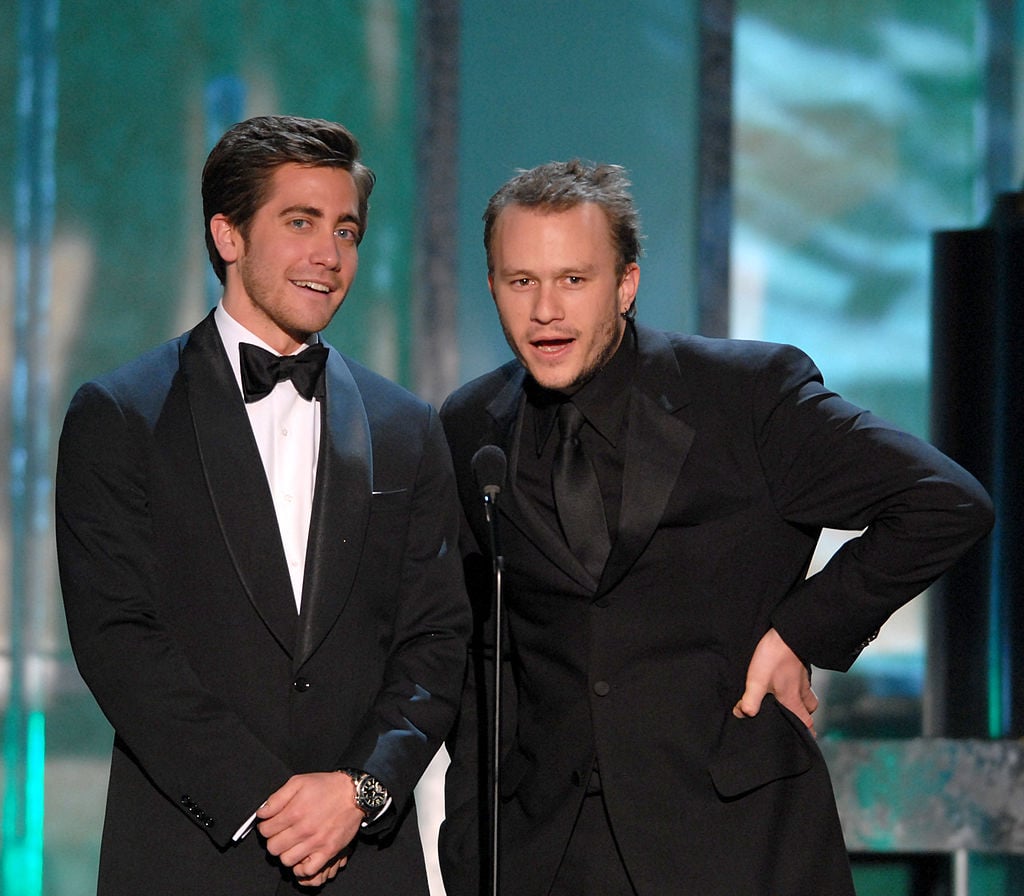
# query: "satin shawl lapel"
506,410
341,508
236,480
656,449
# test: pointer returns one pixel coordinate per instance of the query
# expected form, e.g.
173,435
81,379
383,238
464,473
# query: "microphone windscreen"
489,466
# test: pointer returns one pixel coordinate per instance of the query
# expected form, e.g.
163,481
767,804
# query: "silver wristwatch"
371,795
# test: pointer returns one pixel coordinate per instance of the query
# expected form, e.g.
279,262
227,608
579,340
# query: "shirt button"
301,684
601,688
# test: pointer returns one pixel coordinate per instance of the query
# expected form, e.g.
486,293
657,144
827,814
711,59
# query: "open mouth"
310,284
551,345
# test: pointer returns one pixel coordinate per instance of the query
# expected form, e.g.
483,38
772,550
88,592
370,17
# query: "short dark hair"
238,171
558,186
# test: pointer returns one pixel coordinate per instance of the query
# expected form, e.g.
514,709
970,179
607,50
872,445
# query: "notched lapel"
341,508
655,452
657,445
236,481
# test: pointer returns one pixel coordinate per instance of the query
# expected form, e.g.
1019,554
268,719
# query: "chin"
557,381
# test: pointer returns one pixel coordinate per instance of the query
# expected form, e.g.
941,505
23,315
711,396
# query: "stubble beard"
614,333
275,309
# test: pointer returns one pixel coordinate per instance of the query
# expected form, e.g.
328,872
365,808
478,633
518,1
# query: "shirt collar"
603,399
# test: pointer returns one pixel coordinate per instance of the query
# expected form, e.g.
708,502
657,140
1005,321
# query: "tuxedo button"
601,602
301,684
577,779
601,688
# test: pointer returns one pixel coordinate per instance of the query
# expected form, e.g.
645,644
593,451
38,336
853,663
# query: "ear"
226,238
490,283
628,286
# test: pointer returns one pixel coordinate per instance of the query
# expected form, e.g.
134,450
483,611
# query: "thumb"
749,705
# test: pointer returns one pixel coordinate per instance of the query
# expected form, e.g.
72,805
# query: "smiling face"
290,273
559,298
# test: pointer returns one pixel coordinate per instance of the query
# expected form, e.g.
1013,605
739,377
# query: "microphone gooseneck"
490,466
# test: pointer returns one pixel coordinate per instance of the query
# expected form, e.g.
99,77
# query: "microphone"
490,466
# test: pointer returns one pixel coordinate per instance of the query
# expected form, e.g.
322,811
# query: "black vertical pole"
976,628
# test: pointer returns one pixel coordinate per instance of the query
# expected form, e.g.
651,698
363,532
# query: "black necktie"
262,370
578,494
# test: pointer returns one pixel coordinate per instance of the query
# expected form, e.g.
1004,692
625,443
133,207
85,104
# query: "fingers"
329,872
800,711
310,822
810,704
299,849
775,669
276,803
810,699
317,867
798,698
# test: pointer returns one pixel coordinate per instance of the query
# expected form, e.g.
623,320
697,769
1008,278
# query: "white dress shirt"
287,431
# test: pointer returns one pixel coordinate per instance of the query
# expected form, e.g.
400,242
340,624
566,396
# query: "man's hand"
775,669
309,824
325,874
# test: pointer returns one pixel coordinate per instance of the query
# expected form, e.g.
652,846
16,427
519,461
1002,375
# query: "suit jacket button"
577,779
301,684
601,688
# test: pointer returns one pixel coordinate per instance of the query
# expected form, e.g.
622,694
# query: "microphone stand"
497,566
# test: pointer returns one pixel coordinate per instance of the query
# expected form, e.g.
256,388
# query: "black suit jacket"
736,457
183,621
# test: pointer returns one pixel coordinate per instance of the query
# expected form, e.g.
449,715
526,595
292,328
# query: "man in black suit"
256,539
660,717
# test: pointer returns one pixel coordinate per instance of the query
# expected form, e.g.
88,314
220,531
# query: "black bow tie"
262,370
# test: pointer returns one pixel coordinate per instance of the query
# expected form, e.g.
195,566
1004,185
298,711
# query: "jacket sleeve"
191,745
423,675
832,464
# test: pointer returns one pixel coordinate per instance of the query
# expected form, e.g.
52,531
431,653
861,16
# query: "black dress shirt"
604,402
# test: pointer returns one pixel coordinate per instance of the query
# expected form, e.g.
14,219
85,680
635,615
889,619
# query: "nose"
326,252
547,305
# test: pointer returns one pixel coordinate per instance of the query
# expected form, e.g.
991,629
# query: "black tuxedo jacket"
736,457
183,621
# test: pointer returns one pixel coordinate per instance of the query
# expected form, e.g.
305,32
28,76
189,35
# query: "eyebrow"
572,271
311,211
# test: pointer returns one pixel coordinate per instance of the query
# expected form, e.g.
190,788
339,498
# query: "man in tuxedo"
256,539
663,497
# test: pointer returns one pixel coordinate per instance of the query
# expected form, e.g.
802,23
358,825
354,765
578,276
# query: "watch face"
372,794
